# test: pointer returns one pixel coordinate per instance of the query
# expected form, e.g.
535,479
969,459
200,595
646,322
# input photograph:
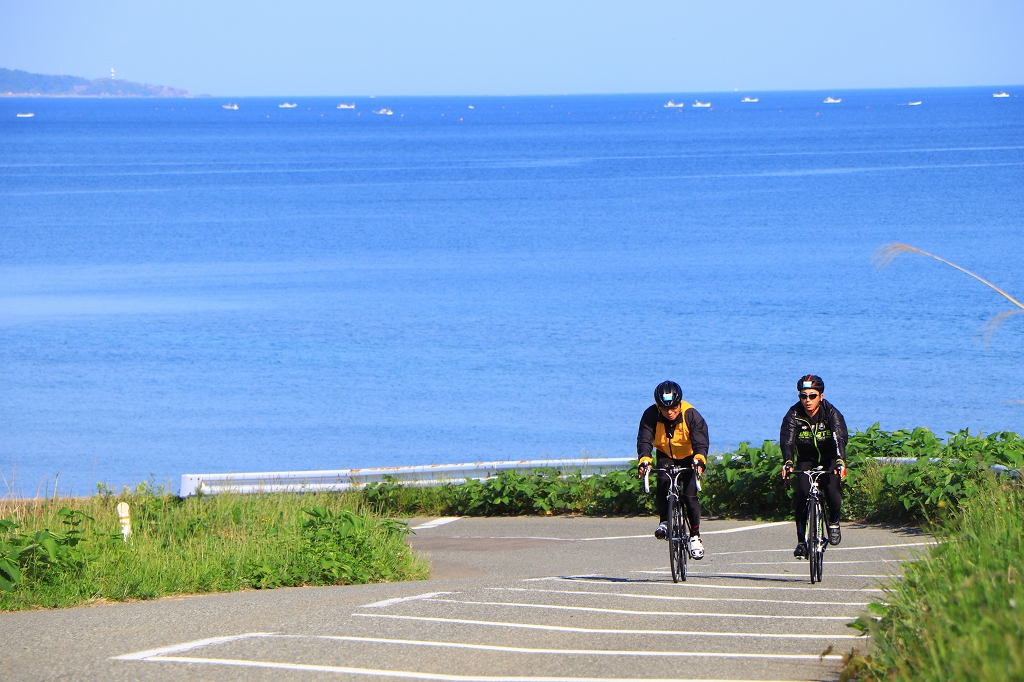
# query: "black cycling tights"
830,485
687,492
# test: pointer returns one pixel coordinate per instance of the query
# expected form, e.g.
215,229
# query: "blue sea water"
185,288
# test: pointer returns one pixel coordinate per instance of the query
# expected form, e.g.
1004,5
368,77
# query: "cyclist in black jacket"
814,434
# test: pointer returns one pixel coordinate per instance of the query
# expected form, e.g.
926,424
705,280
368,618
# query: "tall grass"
958,613
888,253
70,551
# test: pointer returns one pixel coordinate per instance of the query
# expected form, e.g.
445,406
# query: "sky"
521,47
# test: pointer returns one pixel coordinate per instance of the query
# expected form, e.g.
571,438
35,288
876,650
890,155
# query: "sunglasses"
809,396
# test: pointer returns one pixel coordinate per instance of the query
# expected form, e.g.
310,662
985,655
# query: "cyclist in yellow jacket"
678,434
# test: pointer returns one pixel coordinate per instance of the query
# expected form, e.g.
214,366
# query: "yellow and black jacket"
681,439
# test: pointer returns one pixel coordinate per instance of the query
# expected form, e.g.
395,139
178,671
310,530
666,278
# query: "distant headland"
24,84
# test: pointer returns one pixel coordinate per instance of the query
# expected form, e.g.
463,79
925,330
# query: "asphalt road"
524,598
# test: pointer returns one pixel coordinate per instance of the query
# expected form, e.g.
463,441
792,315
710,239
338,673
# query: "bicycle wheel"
813,540
823,541
682,550
673,539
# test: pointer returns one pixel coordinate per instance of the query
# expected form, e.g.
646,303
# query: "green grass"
67,552
958,613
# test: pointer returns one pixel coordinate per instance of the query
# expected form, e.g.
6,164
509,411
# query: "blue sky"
495,47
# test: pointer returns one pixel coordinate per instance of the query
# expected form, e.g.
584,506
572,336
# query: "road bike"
678,524
817,526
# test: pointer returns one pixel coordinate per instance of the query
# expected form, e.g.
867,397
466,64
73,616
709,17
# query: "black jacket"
818,440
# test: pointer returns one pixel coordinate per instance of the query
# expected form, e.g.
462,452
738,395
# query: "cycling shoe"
801,550
662,531
696,548
835,536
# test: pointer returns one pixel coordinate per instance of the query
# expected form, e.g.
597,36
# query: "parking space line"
399,600
596,580
664,571
178,648
831,563
603,631
406,674
650,653
678,614
931,543
611,537
436,522
679,598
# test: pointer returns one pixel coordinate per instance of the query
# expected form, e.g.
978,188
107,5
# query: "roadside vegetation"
958,613
70,551
745,483
63,552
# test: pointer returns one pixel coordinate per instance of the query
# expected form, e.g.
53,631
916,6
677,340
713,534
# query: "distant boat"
230,107
472,107
1000,94
913,104
384,112
833,100
346,106
672,105
702,105
749,99
287,105
28,115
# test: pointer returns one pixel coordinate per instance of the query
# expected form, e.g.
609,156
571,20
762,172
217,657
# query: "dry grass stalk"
885,256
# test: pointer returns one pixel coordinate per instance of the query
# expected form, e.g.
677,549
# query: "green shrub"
61,557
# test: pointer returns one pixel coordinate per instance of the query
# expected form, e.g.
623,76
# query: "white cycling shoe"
696,548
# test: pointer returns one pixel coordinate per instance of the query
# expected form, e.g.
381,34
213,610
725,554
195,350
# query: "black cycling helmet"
667,395
812,381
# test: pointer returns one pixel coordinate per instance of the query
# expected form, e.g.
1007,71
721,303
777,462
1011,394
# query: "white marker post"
125,518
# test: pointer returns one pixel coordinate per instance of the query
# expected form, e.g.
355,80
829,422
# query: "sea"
186,288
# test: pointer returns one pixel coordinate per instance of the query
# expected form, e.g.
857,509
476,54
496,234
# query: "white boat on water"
672,105
914,103
702,105
1001,93
833,100
384,112
229,107
287,105
346,106
28,115
472,107
749,99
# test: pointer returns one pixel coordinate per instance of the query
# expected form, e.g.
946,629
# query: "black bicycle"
817,526
678,523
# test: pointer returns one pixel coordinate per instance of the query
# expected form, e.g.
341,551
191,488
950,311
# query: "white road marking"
436,522
677,598
399,600
831,563
178,648
611,537
603,631
833,549
682,614
664,571
743,528
595,580
533,650
406,674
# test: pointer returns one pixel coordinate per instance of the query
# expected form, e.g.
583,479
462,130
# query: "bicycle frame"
678,524
816,534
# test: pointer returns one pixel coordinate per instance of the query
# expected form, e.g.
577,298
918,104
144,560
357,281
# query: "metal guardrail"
346,479
424,475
